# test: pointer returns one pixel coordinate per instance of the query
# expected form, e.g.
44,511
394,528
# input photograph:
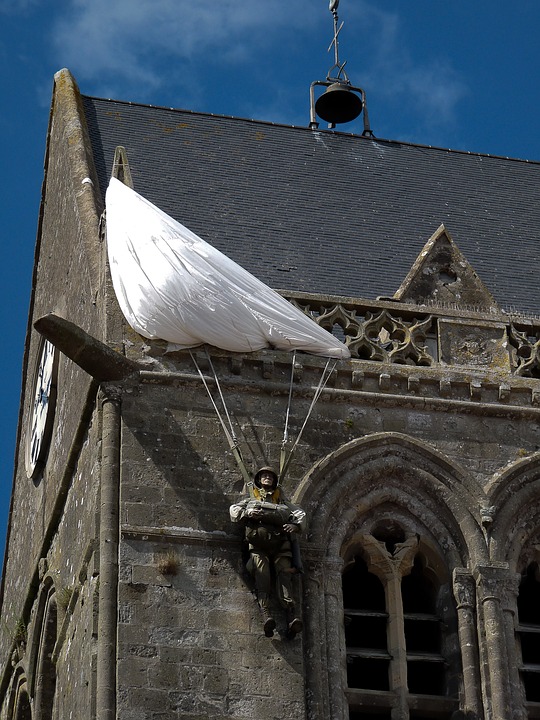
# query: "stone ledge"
178,535
426,388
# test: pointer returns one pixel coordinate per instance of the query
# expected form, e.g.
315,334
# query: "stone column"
490,580
391,568
335,641
108,554
465,594
316,659
396,644
509,595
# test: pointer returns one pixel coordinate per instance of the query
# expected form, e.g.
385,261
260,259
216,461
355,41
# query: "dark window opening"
23,711
423,634
46,680
361,589
367,673
365,352
530,647
390,533
528,604
366,630
425,666
418,593
365,621
529,597
531,682
425,677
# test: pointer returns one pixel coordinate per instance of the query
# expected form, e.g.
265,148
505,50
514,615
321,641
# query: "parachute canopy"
174,286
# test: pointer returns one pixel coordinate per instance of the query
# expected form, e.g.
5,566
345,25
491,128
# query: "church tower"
125,592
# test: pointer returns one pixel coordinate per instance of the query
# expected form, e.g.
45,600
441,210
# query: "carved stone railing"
525,343
387,331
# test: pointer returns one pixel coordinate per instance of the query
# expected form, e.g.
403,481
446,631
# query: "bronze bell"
338,104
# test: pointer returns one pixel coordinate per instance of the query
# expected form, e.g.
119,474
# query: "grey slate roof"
327,212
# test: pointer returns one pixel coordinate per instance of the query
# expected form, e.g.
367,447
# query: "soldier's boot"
294,624
269,624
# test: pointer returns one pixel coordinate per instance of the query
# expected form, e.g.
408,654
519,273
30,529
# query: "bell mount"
341,102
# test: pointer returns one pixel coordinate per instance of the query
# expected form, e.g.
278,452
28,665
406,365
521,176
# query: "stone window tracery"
405,337
399,628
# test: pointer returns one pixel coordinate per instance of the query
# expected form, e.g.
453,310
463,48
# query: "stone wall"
190,639
52,523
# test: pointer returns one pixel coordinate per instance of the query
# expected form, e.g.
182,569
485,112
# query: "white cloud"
431,91
125,37
128,49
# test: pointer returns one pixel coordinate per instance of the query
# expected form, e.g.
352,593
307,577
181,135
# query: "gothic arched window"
23,711
46,670
19,707
399,621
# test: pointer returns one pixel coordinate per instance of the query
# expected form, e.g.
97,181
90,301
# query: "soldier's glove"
290,528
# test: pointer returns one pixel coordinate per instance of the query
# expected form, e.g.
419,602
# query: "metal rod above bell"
338,104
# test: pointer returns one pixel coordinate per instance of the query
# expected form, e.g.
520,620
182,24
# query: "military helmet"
266,468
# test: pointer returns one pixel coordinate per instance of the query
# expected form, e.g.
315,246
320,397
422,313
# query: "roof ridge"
373,139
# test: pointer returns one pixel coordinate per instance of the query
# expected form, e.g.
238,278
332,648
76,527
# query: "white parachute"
174,286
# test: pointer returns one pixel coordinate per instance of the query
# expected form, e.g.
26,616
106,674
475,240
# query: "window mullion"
396,642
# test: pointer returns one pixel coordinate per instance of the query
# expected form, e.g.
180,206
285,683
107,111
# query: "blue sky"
462,75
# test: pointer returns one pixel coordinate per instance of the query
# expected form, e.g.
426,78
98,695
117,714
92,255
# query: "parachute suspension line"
233,434
325,376
230,435
282,456
231,439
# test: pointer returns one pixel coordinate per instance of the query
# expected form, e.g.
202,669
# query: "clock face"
42,411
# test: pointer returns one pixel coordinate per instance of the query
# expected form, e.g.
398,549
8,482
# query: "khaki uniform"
269,545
